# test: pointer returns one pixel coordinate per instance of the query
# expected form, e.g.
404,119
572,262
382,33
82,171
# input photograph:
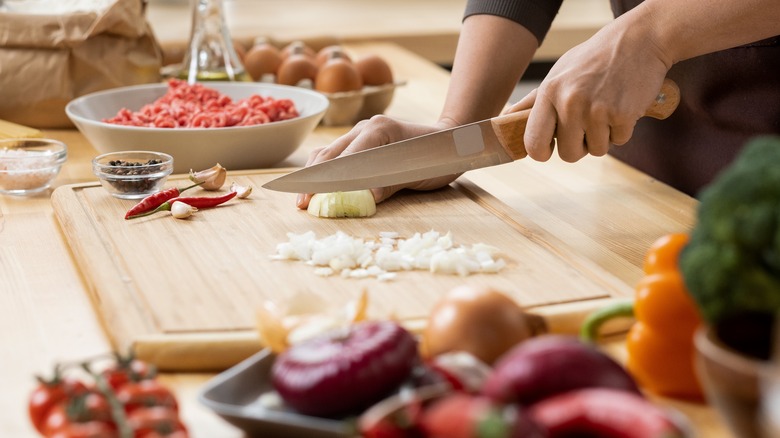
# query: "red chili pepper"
154,200
197,202
205,202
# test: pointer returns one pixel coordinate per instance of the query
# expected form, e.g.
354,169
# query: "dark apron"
726,98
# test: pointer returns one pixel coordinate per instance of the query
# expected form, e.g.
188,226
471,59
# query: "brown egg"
478,320
298,47
325,54
261,59
338,74
296,68
374,70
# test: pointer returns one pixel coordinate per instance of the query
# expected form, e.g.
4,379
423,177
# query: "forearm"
492,54
683,29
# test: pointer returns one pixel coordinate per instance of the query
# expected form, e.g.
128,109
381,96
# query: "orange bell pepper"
660,343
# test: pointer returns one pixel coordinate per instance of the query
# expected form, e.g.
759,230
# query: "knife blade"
452,151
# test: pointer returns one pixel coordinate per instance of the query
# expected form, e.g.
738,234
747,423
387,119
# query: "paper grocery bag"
48,60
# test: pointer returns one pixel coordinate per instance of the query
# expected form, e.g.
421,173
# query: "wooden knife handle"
665,102
510,128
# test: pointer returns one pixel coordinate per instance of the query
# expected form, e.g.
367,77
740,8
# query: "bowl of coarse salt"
29,165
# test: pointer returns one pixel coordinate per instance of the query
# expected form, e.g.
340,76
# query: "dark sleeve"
534,15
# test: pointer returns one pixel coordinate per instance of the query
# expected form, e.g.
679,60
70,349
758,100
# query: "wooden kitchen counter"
428,28
46,315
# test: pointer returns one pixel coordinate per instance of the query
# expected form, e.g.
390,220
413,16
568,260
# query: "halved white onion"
358,203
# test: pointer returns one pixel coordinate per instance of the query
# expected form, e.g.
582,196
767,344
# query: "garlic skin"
358,203
180,210
242,192
212,178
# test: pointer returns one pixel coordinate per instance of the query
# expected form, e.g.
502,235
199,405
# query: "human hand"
594,94
377,131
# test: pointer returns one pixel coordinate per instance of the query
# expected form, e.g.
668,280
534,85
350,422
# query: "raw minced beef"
187,105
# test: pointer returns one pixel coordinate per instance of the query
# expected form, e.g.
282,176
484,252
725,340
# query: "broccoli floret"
731,265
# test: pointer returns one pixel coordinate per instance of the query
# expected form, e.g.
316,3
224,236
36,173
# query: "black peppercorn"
134,168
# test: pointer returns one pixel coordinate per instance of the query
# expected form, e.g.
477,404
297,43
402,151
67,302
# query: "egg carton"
350,107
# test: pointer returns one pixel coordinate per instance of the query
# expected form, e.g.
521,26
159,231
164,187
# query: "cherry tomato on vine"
81,408
128,369
90,429
49,393
156,421
145,393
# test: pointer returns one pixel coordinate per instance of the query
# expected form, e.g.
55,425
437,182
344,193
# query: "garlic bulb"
359,203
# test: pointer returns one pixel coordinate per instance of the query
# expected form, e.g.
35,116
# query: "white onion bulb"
359,203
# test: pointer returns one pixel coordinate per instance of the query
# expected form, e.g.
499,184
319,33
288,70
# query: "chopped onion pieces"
351,257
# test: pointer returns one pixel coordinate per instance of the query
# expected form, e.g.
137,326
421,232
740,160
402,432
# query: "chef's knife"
487,143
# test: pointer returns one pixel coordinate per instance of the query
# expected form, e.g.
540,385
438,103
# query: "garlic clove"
212,178
180,210
242,192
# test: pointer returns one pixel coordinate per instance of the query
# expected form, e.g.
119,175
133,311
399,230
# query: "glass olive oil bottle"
211,55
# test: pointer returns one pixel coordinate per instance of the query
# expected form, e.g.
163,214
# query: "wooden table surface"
46,315
428,28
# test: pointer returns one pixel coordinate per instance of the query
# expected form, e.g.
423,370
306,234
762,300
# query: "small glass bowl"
132,174
29,165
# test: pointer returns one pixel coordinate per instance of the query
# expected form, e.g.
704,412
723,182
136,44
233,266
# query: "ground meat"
197,106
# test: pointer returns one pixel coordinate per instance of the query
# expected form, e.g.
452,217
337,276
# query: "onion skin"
345,371
547,365
480,321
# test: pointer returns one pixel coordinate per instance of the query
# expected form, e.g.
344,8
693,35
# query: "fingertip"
536,149
539,136
379,195
302,201
620,135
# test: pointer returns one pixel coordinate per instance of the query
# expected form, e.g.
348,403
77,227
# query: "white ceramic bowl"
243,147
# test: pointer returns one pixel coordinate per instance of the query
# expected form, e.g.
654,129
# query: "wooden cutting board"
184,293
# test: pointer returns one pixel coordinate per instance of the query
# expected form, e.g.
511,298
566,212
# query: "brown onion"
477,320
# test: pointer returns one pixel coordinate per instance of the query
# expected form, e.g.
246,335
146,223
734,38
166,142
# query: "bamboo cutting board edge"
66,199
217,351
194,351
100,282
